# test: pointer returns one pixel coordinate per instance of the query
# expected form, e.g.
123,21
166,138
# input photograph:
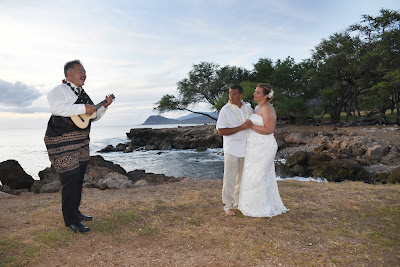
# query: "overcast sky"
139,50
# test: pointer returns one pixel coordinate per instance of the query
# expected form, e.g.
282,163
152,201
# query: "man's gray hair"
70,65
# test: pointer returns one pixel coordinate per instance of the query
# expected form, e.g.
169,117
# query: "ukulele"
82,121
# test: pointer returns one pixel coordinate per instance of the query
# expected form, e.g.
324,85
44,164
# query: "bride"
259,194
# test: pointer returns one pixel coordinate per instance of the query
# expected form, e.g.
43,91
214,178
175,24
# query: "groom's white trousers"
233,167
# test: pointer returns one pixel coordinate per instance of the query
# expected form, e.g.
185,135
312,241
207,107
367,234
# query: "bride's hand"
247,124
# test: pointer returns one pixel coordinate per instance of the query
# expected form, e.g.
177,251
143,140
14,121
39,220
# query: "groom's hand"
247,124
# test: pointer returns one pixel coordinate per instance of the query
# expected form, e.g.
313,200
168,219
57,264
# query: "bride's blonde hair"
267,90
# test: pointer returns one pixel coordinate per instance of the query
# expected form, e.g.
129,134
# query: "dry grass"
183,224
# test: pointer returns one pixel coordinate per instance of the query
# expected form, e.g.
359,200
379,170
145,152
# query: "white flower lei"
237,115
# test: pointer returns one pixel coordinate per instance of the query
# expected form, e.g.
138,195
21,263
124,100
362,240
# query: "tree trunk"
335,114
357,108
396,99
347,109
321,116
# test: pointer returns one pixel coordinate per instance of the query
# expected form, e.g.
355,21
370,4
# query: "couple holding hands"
249,182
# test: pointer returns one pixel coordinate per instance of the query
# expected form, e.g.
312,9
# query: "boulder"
377,152
321,165
155,179
136,175
165,145
98,167
297,158
337,170
151,147
298,138
37,186
283,171
121,147
114,180
49,179
49,175
181,143
51,187
12,175
109,148
391,158
151,178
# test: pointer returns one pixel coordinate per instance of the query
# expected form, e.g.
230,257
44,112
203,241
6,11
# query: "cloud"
17,94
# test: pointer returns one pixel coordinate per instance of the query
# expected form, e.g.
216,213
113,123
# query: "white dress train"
259,194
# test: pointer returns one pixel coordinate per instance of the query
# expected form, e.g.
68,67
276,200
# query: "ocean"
27,147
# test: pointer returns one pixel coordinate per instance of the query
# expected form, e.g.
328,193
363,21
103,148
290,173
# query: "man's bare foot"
230,212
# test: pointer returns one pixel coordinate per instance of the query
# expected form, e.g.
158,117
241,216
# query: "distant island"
188,119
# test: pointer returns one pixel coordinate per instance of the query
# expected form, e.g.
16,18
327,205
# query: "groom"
232,124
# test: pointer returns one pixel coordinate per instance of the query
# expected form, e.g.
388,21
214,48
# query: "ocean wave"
303,179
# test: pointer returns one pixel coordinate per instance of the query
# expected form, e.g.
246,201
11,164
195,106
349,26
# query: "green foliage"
221,101
291,107
248,92
168,103
263,70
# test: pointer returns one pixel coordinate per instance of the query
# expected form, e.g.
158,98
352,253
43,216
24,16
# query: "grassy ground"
183,224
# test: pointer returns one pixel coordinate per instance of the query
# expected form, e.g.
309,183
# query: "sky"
139,50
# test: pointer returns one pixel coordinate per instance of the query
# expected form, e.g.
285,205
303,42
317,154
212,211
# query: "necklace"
83,98
79,89
237,115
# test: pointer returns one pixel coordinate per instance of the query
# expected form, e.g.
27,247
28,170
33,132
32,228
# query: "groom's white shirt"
234,144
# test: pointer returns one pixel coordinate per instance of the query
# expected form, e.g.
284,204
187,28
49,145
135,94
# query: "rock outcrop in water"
188,137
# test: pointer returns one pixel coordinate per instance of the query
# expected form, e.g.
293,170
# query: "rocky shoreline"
363,153
370,154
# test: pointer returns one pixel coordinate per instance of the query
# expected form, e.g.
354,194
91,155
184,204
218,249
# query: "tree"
206,82
248,91
170,103
291,95
381,36
336,72
263,70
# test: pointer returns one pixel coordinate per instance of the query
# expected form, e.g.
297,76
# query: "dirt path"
183,224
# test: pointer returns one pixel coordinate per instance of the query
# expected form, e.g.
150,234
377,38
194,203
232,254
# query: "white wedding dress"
259,194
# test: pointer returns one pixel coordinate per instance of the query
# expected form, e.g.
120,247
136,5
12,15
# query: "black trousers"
71,195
